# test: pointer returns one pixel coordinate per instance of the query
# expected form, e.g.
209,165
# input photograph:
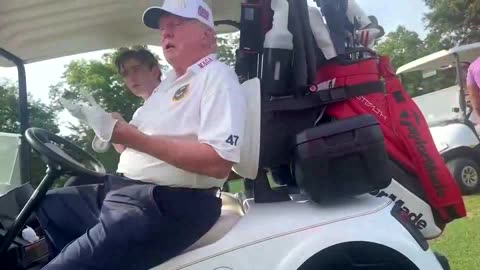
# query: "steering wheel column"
28,209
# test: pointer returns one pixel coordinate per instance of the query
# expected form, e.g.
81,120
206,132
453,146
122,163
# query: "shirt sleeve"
134,120
223,114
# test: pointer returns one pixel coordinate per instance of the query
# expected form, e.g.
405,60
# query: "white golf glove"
97,118
99,145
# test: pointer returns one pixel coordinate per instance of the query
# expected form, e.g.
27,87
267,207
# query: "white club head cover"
98,119
320,31
355,12
366,37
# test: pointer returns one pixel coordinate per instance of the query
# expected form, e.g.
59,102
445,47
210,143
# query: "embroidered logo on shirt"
180,93
205,62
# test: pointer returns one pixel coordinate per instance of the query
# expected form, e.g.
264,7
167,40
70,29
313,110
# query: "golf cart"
334,223
444,103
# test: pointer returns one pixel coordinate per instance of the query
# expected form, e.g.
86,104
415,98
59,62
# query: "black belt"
214,191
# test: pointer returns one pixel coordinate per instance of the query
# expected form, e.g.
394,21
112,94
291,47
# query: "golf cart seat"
250,144
232,208
232,211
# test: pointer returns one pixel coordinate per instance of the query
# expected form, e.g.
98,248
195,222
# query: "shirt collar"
202,63
171,76
156,89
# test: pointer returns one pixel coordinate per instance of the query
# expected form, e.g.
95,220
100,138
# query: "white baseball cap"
192,9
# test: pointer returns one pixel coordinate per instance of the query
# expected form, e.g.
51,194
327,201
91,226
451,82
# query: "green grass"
460,241
236,186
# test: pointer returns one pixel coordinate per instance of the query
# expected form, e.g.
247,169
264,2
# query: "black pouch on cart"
342,158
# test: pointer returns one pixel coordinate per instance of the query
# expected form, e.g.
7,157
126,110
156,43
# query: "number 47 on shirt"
232,140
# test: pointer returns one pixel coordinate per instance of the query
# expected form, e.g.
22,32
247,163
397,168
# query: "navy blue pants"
123,224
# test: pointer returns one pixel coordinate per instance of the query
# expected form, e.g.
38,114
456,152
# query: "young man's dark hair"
142,55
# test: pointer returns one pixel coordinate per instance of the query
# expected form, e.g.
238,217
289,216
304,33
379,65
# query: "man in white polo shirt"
180,147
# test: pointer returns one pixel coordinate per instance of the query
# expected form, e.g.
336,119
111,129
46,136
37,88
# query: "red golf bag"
407,137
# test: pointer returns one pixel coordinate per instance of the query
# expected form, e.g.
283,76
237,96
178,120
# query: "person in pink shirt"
473,85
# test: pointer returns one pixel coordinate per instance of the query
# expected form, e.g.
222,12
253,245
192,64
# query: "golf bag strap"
323,97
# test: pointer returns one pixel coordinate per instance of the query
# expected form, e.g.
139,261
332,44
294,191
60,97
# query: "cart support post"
23,113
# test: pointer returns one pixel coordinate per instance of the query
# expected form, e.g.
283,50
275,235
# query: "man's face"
181,38
139,78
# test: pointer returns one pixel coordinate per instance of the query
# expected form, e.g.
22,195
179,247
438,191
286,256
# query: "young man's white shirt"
204,104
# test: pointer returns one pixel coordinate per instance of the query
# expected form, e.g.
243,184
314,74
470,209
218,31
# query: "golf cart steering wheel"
62,155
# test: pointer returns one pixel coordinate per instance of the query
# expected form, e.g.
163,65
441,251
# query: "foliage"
404,46
454,21
450,23
227,44
41,116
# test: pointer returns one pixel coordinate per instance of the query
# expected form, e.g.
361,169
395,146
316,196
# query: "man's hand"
98,119
118,147
124,134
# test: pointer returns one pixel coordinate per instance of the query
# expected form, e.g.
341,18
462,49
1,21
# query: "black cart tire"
467,174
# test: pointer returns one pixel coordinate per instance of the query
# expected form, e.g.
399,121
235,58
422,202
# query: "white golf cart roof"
445,58
36,30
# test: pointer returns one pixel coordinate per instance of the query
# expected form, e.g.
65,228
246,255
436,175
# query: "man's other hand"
118,147
98,119
123,133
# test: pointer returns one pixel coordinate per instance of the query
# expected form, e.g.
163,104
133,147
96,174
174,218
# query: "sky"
390,15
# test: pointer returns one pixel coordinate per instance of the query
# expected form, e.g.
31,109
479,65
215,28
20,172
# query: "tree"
227,44
404,46
434,43
41,116
454,21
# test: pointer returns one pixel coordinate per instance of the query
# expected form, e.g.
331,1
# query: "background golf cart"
295,233
9,161
444,103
